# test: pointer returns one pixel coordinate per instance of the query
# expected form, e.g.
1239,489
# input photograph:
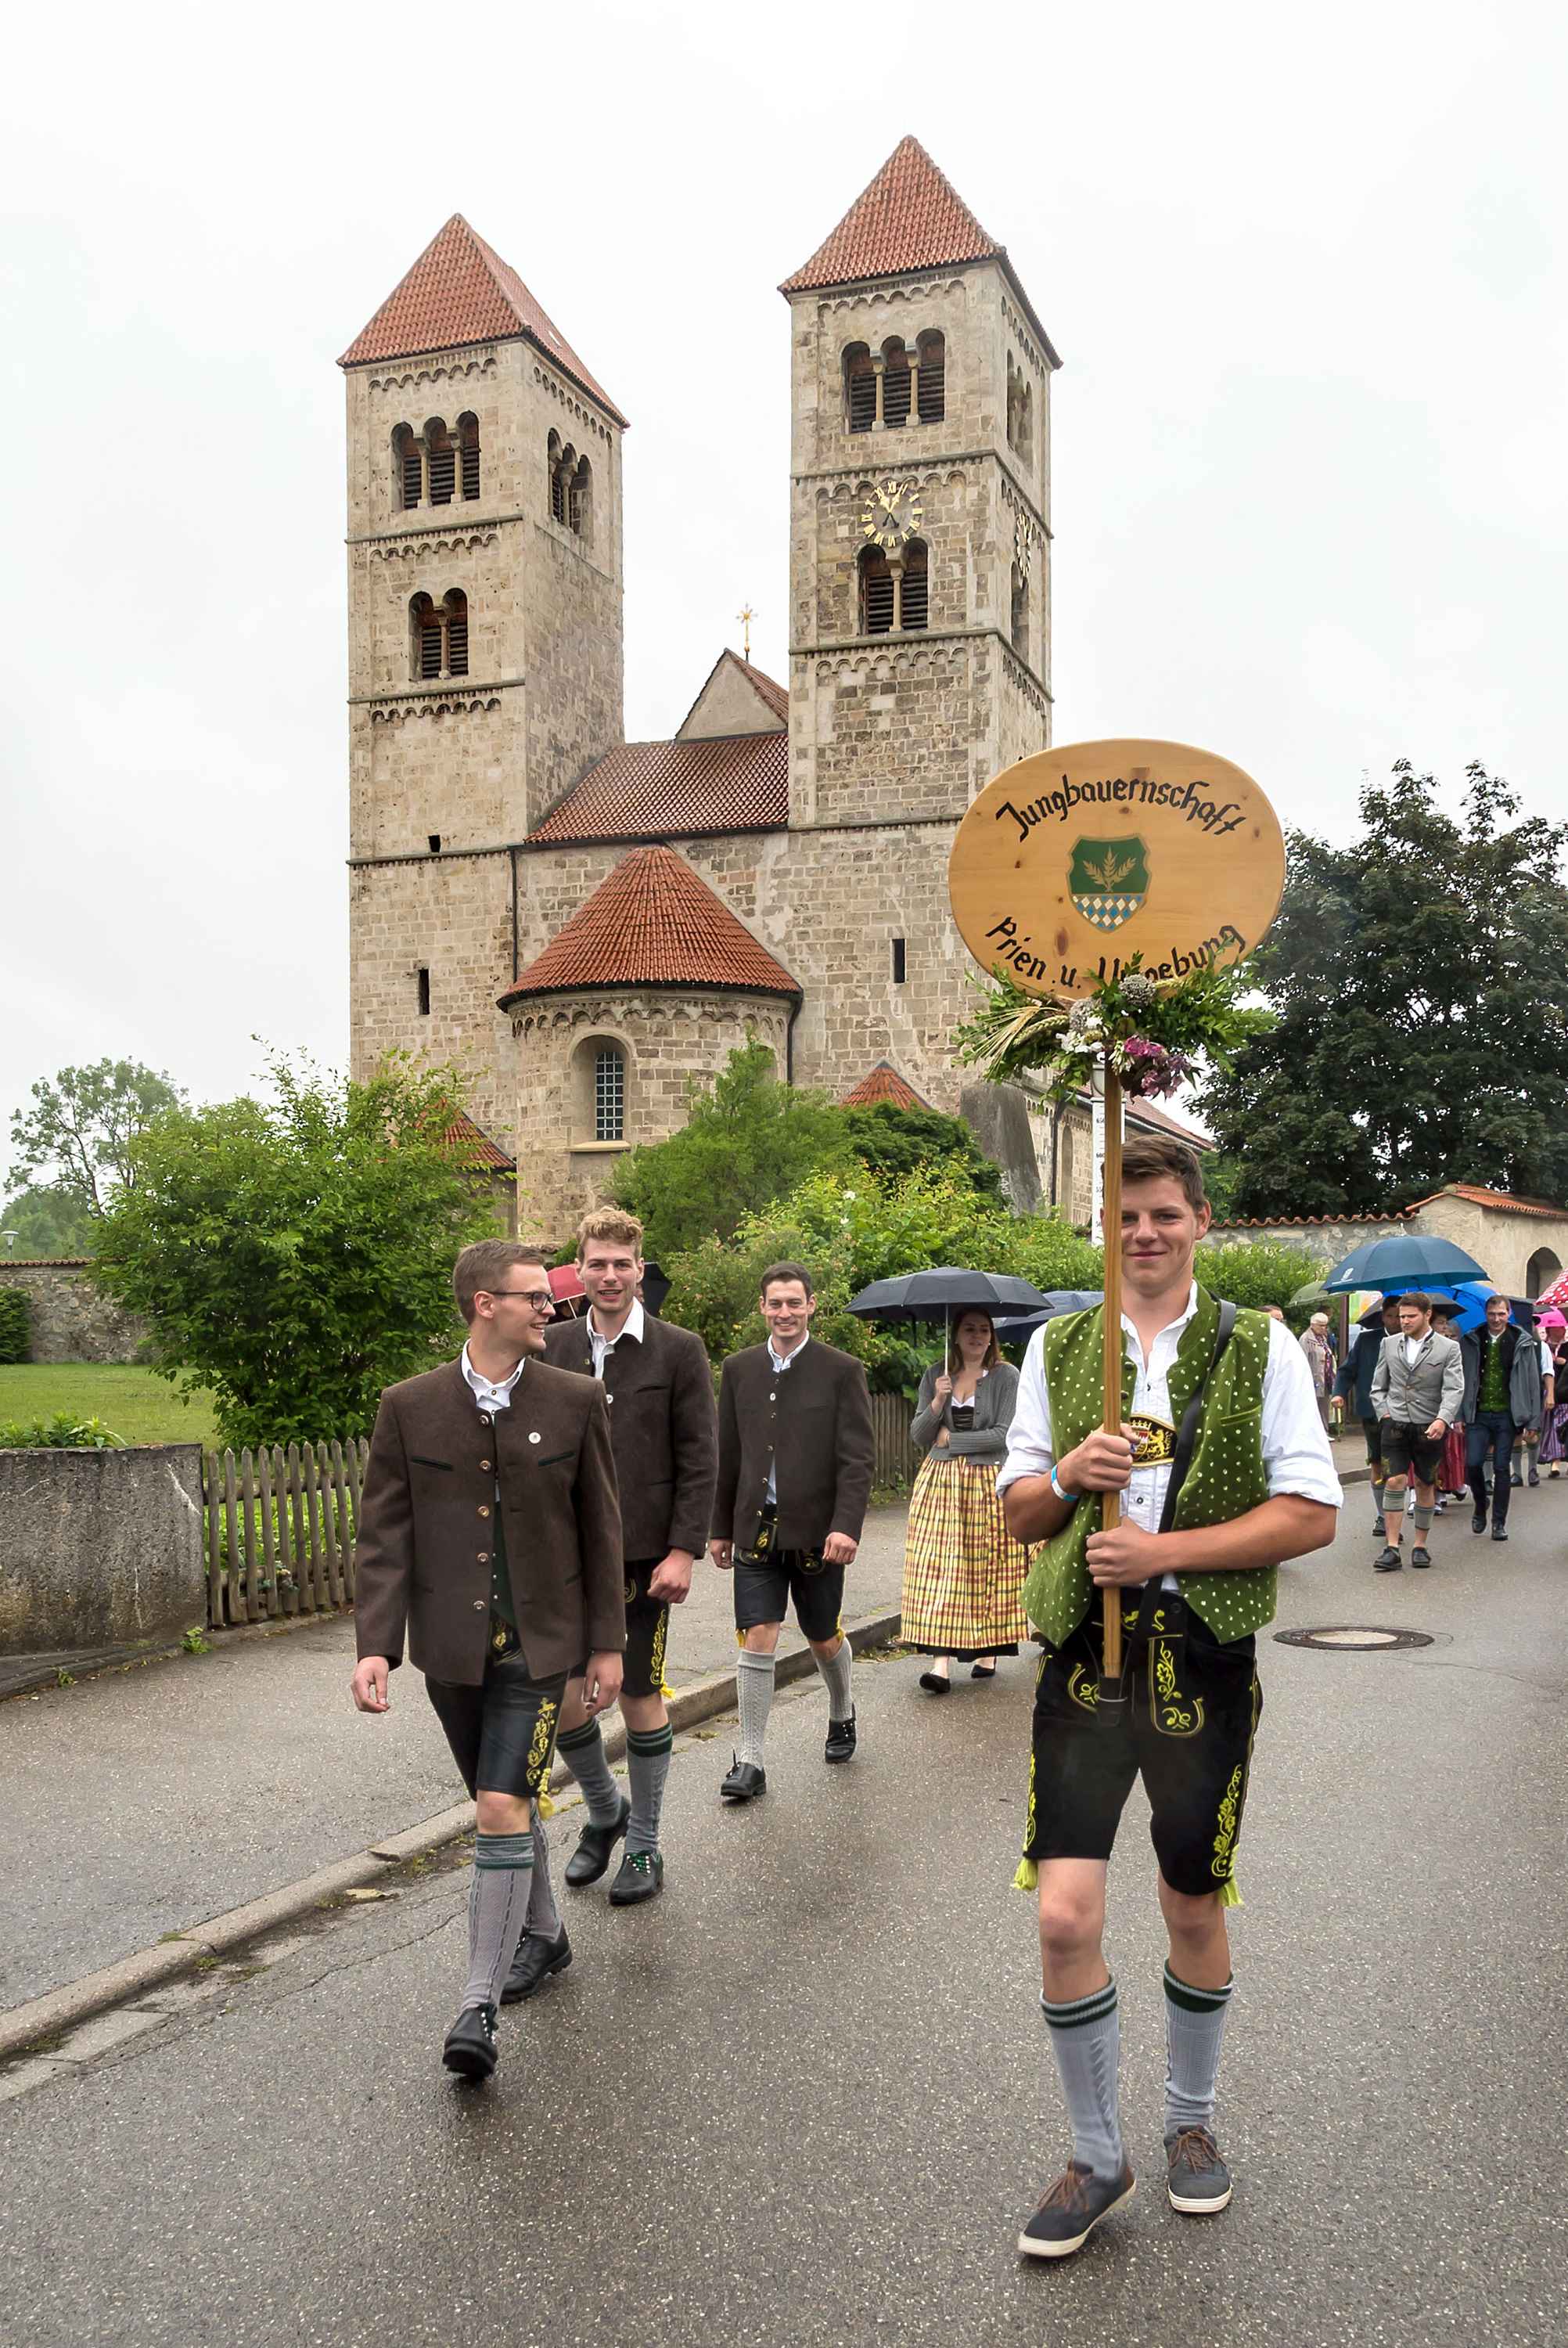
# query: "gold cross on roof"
745,616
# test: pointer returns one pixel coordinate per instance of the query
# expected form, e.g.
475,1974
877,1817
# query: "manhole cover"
1360,1638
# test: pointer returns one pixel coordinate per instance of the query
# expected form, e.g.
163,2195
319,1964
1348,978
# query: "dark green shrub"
14,1317
61,1433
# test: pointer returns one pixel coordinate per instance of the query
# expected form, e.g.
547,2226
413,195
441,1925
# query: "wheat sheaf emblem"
1110,874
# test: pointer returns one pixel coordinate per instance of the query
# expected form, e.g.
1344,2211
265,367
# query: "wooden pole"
1110,1502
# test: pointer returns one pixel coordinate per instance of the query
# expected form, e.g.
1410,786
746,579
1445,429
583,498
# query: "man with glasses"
491,1532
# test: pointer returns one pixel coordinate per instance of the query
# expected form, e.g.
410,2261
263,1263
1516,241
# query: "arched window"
407,467
468,445
579,499
1020,613
553,459
860,387
932,350
455,610
875,593
438,635
425,630
1542,1273
610,1093
913,600
894,382
443,462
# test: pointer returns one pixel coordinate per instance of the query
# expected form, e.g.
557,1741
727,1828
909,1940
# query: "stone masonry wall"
68,1319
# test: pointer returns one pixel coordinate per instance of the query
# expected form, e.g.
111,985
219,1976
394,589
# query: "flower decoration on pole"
1151,1032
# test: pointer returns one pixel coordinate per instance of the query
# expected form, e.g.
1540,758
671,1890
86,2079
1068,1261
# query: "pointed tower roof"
910,217
461,291
652,922
884,1083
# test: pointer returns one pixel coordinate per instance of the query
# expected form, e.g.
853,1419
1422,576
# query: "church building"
588,924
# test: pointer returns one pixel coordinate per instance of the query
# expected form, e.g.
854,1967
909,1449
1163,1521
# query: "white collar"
630,1327
485,1389
782,1361
1178,1323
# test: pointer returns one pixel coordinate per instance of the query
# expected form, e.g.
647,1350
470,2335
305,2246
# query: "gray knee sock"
1086,2039
583,1753
1195,2026
1423,1517
754,1685
1378,1488
647,1767
498,1905
1533,1453
1395,1509
544,1916
835,1670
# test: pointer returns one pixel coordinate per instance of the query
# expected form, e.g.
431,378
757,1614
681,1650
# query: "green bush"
61,1433
14,1331
1264,1272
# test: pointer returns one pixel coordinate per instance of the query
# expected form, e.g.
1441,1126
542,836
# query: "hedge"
14,1331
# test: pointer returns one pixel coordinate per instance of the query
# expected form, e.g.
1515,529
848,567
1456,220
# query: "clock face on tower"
891,515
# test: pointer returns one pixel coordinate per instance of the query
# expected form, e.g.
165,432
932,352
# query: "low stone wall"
69,1319
99,1550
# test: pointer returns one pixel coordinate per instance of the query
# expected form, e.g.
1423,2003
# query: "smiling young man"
1260,1488
489,1530
660,1392
1418,1392
795,1475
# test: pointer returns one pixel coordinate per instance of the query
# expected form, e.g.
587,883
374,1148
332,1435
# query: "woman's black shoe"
936,1684
982,1670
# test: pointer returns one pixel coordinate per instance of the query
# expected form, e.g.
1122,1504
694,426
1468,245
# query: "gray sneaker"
1197,2179
1071,2209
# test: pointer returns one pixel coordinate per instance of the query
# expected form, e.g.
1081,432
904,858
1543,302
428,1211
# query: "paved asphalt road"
199,1782
805,2097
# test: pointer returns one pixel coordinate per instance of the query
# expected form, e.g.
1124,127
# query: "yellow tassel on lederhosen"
1028,1876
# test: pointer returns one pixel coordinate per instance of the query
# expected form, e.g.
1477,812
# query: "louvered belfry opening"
468,440
933,349
558,494
875,593
580,491
895,385
455,607
860,387
408,467
912,599
425,624
1020,613
443,466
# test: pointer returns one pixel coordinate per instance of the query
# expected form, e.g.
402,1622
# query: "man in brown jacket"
659,1392
795,1475
489,1530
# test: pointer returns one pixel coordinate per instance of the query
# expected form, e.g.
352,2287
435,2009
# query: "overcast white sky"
1305,268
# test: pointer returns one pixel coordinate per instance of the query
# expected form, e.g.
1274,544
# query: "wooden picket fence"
896,1458
281,1530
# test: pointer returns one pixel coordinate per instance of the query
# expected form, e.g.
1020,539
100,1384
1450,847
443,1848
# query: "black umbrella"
1016,1325
937,1294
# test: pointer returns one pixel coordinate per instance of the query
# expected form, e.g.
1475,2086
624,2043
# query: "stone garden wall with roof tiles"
69,1320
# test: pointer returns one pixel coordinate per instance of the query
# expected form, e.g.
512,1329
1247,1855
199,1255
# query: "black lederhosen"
1408,1446
503,1732
1187,1729
764,1587
647,1630
1372,1429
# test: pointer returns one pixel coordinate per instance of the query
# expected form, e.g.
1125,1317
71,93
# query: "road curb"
145,1970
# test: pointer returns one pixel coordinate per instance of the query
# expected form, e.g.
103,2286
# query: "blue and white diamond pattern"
1108,912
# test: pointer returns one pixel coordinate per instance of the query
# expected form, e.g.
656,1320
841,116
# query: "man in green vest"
1195,1582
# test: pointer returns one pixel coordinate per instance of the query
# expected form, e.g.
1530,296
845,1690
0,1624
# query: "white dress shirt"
630,1327
781,1362
489,1395
1295,1454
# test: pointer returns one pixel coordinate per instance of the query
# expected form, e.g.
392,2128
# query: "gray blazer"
1431,1386
995,1398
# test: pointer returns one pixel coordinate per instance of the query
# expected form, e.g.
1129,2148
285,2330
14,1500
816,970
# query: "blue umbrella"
1404,1260
1017,1325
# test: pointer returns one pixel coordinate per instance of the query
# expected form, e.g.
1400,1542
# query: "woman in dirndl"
1554,1422
1451,1470
963,1575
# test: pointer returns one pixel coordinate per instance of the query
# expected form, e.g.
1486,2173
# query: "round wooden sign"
1071,861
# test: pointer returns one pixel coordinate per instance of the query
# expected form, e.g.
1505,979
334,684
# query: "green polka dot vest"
1225,1479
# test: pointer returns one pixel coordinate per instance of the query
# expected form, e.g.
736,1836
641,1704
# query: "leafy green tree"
1422,1037
82,1129
891,1142
295,1255
44,1219
747,1141
1266,1272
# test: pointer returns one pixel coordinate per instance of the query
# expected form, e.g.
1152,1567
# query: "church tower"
485,641
920,594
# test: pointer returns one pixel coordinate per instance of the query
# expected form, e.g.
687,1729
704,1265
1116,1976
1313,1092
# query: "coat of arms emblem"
1108,879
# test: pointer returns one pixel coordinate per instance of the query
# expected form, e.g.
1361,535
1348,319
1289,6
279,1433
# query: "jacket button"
484,1464
478,1605
484,1559
483,1509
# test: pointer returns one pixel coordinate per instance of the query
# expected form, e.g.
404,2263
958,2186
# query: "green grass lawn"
137,1404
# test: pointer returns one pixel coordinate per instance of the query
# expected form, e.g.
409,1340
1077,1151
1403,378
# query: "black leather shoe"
1377,1527
641,1876
1389,1562
1478,1521
594,1844
1532,1479
744,1782
470,2048
535,1960
1515,1481
1500,1532
1421,1554
840,1746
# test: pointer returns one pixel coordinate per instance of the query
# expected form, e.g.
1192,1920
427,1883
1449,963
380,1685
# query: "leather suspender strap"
1182,1458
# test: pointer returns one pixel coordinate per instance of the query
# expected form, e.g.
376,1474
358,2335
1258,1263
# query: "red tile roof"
460,291
477,1147
776,696
883,1083
908,218
1503,1199
1304,1223
652,922
734,782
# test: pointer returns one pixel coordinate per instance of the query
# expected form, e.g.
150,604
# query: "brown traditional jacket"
812,1423
662,1431
422,1560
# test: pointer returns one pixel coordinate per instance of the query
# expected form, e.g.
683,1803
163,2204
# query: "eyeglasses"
541,1299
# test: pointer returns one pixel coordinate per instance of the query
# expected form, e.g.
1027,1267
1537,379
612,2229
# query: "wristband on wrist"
1060,1488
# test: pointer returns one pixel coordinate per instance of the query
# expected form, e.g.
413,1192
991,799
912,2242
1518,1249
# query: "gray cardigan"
1416,1393
995,1398
1524,1374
